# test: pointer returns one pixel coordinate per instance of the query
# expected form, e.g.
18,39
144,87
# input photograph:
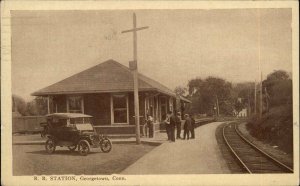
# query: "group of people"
173,121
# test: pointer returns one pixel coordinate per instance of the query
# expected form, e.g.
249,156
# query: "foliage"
238,106
18,105
180,91
279,88
244,92
206,93
38,106
276,125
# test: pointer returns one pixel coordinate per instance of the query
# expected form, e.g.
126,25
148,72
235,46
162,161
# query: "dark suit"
172,127
187,128
167,124
178,127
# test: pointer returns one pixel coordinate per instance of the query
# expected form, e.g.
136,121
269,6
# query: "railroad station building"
105,92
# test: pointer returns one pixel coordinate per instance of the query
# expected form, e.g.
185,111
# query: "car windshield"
80,120
58,122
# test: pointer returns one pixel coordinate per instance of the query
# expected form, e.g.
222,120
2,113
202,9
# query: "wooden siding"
98,106
128,129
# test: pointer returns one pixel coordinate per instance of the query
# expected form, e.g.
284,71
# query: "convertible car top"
68,115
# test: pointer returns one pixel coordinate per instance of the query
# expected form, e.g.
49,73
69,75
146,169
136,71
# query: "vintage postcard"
149,93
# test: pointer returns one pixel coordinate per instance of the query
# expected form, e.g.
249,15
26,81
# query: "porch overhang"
99,91
184,99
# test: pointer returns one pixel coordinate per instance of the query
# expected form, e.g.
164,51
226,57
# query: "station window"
75,104
119,108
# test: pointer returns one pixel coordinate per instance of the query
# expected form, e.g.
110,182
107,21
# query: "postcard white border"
201,179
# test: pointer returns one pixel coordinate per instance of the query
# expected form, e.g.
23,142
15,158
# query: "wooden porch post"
82,104
156,112
48,104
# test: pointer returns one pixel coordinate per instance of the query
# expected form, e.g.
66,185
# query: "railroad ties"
249,156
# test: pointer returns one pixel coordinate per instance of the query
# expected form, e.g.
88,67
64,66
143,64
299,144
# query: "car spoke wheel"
50,146
72,148
83,147
106,145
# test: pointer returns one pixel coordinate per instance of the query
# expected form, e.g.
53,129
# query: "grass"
33,160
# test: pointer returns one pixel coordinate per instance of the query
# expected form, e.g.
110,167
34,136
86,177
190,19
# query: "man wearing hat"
172,126
178,125
187,127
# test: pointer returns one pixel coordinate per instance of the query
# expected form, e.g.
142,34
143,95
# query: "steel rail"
241,161
287,168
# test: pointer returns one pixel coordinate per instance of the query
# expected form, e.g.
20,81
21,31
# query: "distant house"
105,91
242,113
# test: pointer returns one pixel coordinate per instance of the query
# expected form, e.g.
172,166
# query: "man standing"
150,126
187,127
173,121
178,125
167,124
146,128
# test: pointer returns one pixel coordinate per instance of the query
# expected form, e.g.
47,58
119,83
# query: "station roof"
184,99
109,76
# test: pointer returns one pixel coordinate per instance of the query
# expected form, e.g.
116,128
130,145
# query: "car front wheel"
83,147
50,146
106,145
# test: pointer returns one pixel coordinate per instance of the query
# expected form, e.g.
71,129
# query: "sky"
48,46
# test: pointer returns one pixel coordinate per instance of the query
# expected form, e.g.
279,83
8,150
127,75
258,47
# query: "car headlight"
91,137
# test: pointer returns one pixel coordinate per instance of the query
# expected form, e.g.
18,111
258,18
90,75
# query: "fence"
27,124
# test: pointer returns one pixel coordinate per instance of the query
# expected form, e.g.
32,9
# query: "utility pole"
261,97
255,98
249,106
259,63
218,111
134,67
267,99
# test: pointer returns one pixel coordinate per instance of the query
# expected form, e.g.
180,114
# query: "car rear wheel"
106,145
72,148
83,147
50,146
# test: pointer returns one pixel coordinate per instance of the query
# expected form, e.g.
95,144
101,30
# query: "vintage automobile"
73,130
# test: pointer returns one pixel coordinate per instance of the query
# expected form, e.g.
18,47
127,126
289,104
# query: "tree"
18,105
238,105
245,91
278,88
180,91
278,75
38,106
194,86
208,93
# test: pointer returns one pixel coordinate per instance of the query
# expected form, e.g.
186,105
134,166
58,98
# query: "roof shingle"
109,76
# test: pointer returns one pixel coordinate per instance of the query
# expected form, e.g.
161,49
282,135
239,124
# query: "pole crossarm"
135,29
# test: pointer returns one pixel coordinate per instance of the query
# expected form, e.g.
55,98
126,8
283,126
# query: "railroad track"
250,157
